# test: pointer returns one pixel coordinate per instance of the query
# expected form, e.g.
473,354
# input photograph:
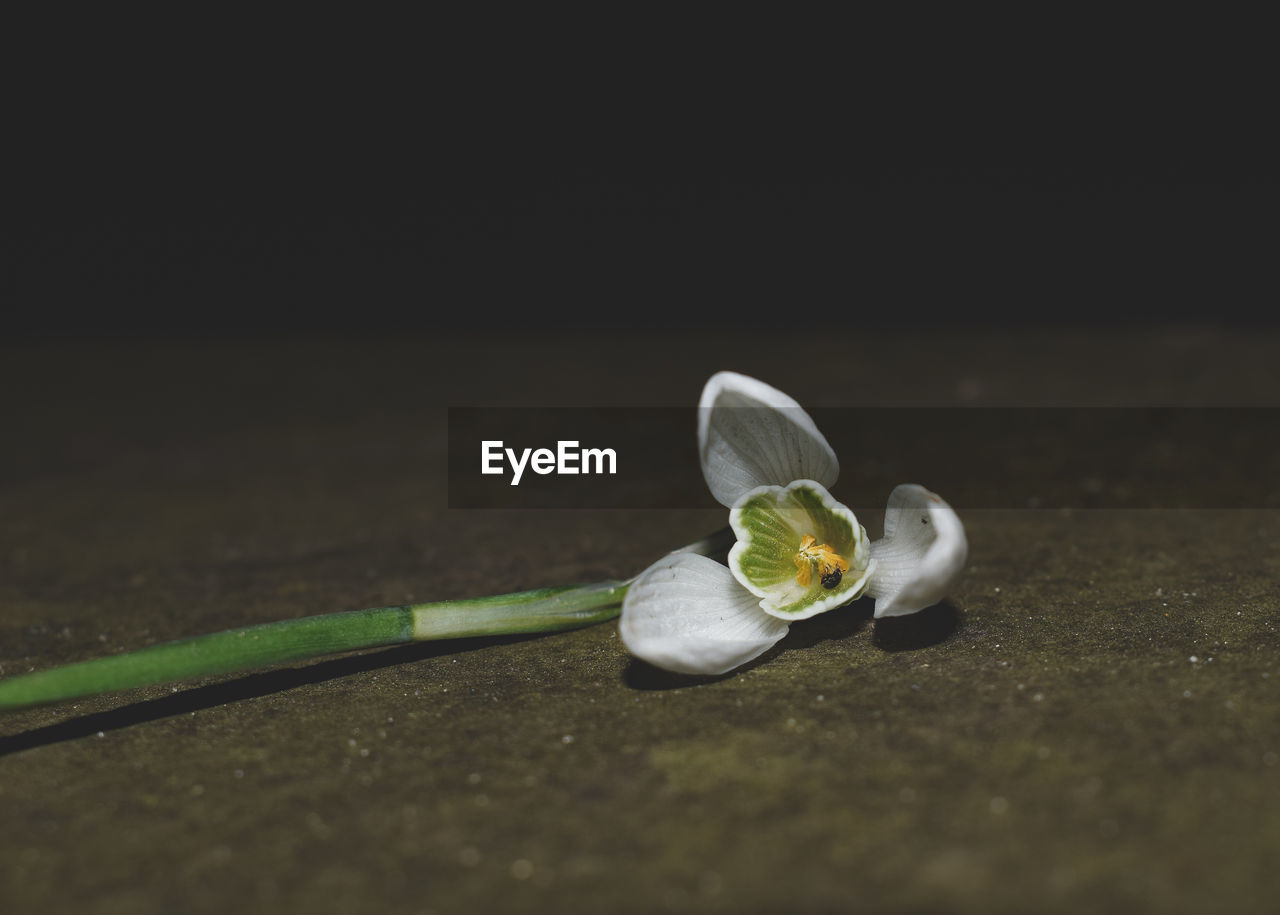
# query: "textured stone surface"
1091,724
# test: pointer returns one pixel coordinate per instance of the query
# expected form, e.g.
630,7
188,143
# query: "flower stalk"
253,647
543,610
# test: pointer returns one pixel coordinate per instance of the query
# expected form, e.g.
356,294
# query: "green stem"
543,610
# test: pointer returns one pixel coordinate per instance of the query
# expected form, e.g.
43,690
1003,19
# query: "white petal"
923,550
686,613
751,435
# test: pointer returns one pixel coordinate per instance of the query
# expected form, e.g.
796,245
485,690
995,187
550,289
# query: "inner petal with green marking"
799,550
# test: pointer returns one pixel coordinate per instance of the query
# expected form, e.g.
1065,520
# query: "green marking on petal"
771,523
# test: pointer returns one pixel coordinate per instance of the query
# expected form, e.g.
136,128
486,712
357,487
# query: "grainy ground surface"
1044,742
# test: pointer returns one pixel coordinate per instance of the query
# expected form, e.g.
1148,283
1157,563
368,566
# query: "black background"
239,179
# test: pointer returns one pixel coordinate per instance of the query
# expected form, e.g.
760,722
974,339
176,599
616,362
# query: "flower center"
812,555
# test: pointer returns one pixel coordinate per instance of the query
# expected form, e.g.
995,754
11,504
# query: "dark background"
278,183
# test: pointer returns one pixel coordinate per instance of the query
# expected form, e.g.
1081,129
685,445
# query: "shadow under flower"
929,626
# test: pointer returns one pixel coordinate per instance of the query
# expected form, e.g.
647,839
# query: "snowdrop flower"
798,553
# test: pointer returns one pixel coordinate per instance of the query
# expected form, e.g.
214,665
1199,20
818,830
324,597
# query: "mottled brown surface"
1043,743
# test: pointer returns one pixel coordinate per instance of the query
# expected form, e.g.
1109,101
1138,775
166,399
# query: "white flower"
799,552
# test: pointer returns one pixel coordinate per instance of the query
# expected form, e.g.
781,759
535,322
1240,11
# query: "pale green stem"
235,650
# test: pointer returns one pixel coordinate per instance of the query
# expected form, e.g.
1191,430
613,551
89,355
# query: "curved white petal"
921,555
750,435
687,614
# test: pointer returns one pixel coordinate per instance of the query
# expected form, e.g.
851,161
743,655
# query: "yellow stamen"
812,553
